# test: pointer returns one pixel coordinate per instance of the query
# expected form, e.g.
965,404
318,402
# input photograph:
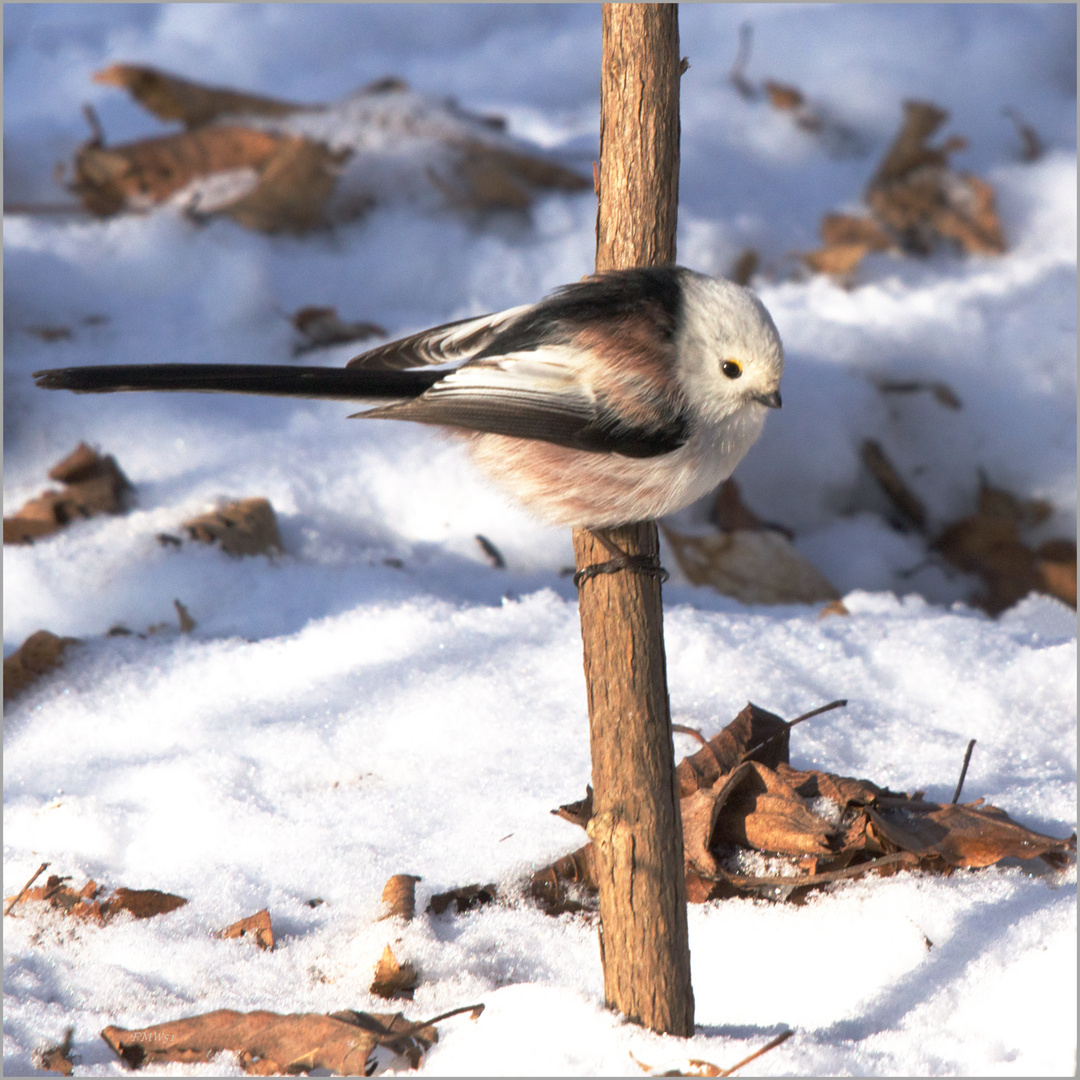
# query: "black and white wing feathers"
537,395
537,372
453,342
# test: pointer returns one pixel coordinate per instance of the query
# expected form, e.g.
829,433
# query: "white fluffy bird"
619,398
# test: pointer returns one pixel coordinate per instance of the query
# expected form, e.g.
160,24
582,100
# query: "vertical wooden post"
636,826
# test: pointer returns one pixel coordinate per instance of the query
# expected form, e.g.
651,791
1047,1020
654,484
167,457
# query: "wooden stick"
963,771
772,1045
23,891
636,826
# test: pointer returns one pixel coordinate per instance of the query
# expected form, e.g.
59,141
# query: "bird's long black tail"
333,384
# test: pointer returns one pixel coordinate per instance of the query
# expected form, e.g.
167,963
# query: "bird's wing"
542,394
453,342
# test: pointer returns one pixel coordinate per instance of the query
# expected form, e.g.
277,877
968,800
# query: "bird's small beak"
772,400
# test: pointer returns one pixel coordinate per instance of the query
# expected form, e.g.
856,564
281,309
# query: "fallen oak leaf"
256,926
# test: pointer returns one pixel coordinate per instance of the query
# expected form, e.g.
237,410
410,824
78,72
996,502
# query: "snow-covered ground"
335,718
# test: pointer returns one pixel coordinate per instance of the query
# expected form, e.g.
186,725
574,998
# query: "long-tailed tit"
622,397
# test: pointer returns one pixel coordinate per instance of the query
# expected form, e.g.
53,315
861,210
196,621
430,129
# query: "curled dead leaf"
399,897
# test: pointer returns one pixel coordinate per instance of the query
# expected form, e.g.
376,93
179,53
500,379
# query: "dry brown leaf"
577,813
846,241
270,1044
50,333
970,835
321,327
89,903
464,898
36,656
916,201
393,979
1055,563
915,193
170,97
729,513
560,887
991,547
756,567
908,150
838,260
293,188
755,733
783,97
256,926
833,607
244,527
56,1059
745,267
845,229
496,178
756,808
142,174
92,485
739,792
399,897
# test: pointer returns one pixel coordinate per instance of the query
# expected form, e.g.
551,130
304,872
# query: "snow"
335,718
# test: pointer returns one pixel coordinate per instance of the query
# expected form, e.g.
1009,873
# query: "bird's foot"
649,565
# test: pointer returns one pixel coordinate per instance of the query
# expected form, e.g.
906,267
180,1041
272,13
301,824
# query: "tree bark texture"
636,825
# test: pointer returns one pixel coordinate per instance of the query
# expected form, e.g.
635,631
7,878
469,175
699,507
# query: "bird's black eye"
731,368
